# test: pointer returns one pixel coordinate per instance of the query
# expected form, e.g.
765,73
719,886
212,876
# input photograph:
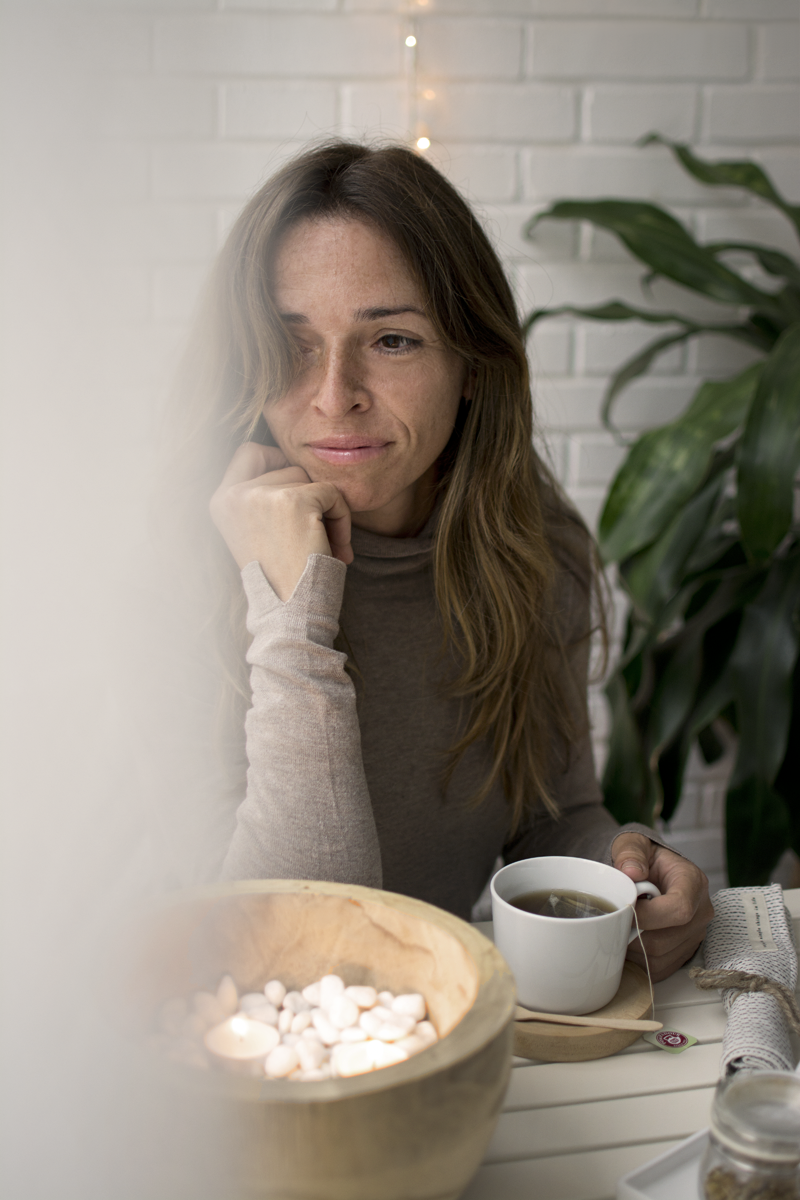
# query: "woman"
418,591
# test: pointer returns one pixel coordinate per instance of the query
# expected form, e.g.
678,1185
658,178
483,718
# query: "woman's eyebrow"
361,314
378,314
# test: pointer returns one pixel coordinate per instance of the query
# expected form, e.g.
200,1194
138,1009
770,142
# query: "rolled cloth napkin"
749,954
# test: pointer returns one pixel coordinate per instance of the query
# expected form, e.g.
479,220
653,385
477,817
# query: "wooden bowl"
413,1131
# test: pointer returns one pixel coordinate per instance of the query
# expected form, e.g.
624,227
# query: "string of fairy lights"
418,130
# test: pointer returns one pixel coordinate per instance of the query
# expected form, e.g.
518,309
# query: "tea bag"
571,906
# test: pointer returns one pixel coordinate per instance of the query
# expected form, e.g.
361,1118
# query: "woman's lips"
347,449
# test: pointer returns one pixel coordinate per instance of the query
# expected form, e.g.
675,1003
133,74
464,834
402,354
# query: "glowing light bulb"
423,143
411,40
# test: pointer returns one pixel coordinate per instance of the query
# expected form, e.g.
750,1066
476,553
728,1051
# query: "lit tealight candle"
241,1039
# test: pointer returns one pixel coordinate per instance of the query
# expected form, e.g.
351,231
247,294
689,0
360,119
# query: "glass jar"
754,1139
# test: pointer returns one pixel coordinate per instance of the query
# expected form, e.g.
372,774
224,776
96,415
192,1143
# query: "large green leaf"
758,829
769,454
674,696
762,665
627,788
743,174
773,261
666,466
654,574
635,367
665,245
614,310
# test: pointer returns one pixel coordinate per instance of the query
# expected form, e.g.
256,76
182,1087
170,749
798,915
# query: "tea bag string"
646,963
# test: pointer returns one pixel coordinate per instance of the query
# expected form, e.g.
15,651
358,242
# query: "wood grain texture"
565,1043
415,1131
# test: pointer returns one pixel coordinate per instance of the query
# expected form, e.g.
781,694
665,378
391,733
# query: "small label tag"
671,1040
759,930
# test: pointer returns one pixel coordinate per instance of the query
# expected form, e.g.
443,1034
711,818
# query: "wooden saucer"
566,1043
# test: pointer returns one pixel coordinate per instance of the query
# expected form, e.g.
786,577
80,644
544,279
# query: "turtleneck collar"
377,554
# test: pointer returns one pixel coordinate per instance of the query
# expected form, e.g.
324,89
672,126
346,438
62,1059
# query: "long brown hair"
504,529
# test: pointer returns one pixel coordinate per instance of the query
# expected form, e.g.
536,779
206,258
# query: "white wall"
532,100
133,132
136,129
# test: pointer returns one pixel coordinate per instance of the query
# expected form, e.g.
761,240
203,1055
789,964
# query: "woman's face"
376,399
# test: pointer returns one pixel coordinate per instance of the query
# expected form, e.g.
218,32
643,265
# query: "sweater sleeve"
307,812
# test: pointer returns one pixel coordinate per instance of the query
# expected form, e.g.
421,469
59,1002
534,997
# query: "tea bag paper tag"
759,930
671,1040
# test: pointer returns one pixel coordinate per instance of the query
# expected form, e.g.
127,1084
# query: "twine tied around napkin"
749,954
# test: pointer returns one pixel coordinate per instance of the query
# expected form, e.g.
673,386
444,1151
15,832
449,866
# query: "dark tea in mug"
563,902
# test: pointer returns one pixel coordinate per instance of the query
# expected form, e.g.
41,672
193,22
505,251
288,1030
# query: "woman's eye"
397,343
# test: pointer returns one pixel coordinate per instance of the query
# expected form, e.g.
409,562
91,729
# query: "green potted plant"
702,522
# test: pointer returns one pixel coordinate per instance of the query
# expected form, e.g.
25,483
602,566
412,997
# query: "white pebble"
298,1075
427,1032
228,996
354,1033
343,1012
300,1022
393,1031
411,1004
266,1012
285,1018
275,992
281,1062
311,1054
172,1015
386,998
329,1033
290,1039
388,1054
382,1012
330,986
296,1002
412,1044
355,1059
250,1000
311,1034
312,994
370,1023
209,1007
365,997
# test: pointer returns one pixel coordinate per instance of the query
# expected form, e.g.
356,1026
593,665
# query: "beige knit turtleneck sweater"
344,779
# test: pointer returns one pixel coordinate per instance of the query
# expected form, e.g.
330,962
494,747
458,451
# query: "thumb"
630,853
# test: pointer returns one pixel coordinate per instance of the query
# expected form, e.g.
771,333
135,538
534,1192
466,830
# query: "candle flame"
239,1026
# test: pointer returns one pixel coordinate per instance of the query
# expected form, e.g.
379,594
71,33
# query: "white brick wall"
162,116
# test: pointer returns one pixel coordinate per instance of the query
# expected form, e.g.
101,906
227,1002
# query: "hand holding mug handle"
645,888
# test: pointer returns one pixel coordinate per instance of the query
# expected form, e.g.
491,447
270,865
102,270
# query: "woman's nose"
339,389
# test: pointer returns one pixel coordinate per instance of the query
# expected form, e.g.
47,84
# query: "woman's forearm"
307,812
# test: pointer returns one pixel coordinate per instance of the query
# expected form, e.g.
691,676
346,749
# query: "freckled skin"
387,378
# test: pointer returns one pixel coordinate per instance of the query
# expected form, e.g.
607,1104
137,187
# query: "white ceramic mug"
565,965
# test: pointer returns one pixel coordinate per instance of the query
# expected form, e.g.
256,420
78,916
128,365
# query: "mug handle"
643,889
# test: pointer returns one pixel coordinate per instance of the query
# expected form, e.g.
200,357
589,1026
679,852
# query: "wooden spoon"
524,1014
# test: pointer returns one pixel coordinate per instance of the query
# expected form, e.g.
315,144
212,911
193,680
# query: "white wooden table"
568,1131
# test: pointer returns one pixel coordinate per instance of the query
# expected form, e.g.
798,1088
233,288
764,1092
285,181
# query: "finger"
631,853
250,461
684,891
337,526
